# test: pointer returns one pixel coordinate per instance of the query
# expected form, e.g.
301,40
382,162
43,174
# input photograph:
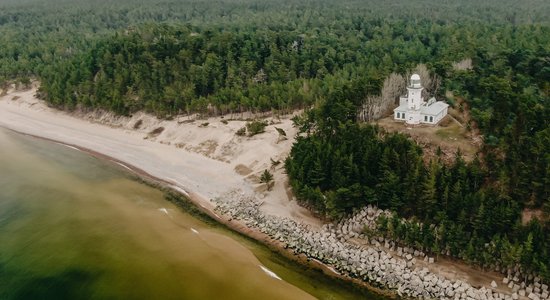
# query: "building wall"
413,117
399,115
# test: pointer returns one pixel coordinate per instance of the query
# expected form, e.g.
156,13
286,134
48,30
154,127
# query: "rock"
522,293
456,284
494,284
505,280
515,296
532,296
431,260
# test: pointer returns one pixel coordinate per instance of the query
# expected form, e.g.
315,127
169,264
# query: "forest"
327,57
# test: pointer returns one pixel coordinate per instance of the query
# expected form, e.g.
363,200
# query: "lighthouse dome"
415,81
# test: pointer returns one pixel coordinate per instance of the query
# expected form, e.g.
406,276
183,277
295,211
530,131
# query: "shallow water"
73,226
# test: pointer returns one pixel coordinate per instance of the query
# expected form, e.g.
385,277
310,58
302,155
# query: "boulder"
532,296
494,284
470,293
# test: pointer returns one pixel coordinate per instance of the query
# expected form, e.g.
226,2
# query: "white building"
414,110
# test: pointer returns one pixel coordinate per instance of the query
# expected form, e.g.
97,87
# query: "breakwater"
345,248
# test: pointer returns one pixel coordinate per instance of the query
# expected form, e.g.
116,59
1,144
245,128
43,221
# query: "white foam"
177,188
69,146
329,267
194,231
333,270
72,147
164,210
122,165
270,273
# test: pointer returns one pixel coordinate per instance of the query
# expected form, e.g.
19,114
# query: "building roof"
433,109
415,81
401,108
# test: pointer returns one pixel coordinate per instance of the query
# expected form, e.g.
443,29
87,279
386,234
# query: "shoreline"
229,223
218,172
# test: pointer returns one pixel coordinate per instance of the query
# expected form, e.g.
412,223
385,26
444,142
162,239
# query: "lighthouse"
414,110
414,100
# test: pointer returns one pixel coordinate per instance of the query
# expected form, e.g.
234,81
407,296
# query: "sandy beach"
205,161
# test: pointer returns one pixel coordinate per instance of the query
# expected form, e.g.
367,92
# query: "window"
431,119
398,115
403,116
425,118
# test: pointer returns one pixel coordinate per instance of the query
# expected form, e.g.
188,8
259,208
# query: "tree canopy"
327,57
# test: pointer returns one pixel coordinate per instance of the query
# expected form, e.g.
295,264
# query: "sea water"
74,226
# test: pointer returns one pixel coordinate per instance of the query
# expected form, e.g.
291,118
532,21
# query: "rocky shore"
348,251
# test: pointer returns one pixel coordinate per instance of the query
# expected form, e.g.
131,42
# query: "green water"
73,226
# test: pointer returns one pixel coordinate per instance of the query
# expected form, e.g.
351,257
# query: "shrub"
255,127
241,132
267,178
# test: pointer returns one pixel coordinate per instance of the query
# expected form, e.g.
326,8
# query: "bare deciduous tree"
430,82
370,110
393,88
375,107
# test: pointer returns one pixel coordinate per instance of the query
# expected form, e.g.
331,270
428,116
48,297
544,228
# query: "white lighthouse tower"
414,100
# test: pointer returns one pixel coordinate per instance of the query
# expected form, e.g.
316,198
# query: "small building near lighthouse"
414,110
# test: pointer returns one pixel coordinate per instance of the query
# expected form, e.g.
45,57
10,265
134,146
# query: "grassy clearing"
448,135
